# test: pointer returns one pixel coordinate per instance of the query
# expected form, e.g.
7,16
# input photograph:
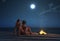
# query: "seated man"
24,30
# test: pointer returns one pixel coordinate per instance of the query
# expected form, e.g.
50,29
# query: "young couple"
22,28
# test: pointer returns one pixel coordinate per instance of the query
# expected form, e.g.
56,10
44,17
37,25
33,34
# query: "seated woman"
24,30
17,26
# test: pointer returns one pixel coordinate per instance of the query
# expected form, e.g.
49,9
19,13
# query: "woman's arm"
14,31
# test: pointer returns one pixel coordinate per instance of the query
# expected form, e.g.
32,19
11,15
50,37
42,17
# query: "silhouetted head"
23,22
18,20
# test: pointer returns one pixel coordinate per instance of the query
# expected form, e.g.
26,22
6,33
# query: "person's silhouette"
24,30
17,26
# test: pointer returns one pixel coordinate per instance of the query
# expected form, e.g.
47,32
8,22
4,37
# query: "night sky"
46,13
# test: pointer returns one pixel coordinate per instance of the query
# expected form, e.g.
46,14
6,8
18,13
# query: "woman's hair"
23,22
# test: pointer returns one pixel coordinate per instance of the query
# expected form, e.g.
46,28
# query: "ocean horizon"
35,29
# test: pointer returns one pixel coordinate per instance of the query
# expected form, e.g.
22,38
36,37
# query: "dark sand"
8,36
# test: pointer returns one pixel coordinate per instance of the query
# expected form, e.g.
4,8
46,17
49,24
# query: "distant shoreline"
48,30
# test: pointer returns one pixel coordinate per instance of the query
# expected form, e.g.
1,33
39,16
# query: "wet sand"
8,36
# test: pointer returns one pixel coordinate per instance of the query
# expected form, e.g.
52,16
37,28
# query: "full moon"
32,6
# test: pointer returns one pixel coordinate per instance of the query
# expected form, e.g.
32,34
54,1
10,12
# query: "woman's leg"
28,31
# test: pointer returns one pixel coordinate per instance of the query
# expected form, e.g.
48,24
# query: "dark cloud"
3,0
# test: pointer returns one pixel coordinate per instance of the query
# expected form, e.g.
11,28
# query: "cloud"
49,10
56,7
50,5
3,0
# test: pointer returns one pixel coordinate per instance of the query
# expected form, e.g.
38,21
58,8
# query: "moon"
32,6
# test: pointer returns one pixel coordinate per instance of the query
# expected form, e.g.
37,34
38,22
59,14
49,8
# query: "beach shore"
8,36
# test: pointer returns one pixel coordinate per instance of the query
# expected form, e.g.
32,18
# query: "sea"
53,30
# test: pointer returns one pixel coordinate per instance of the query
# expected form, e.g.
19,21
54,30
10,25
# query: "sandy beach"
8,36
